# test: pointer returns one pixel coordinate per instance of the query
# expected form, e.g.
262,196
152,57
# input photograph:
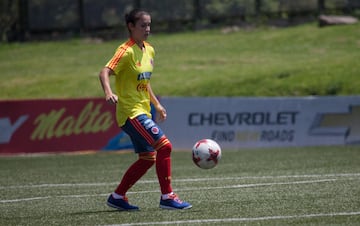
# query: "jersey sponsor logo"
142,87
144,76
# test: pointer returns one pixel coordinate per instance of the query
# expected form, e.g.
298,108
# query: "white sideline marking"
56,185
186,189
184,180
25,199
245,219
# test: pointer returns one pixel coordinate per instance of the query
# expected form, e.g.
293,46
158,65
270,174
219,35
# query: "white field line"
187,189
55,185
182,180
245,219
25,199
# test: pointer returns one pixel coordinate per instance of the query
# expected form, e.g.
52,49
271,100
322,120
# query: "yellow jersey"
133,68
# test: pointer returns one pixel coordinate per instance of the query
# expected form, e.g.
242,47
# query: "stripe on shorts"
137,125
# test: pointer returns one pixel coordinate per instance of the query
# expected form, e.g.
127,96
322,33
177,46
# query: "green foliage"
248,187
297,61
8,16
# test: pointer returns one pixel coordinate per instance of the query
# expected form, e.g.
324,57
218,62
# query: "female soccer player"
132,66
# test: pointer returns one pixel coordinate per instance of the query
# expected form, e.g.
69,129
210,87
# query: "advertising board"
52,125
56,125
237,122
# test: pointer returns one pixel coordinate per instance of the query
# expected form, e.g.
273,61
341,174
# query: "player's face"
141,30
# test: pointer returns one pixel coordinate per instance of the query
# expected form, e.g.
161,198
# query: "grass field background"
297,61
285,186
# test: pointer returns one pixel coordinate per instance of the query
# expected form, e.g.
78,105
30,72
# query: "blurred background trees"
22,20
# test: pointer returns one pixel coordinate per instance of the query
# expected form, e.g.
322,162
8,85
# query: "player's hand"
161,113
111,98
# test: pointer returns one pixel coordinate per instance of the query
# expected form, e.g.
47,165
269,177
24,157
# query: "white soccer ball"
206,153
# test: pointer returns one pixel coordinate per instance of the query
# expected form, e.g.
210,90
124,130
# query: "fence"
31,19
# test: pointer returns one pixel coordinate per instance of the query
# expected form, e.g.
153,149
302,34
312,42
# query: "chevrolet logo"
339,124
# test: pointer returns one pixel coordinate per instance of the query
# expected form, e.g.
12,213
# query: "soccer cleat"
174,203
120,204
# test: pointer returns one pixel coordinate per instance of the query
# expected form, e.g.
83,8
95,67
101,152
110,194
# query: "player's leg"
135,172
118,198
147,137
163,164
168,200
146,160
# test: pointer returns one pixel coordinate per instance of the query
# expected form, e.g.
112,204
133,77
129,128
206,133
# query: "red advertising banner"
59,125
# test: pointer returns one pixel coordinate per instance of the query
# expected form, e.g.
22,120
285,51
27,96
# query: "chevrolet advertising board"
263,122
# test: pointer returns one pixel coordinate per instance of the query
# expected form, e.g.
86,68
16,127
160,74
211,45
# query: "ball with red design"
206,153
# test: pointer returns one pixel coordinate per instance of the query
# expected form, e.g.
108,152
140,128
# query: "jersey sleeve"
120,58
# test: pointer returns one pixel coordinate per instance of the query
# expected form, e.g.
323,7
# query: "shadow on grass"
190,211
102,211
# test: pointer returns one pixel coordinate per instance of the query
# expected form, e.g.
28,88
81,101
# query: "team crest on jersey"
152,62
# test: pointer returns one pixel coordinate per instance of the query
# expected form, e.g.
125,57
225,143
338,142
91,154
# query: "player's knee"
149,157
164,145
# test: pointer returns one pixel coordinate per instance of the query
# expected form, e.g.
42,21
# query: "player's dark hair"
134,15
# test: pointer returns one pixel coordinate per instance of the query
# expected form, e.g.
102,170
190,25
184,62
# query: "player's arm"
104,77
158,107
